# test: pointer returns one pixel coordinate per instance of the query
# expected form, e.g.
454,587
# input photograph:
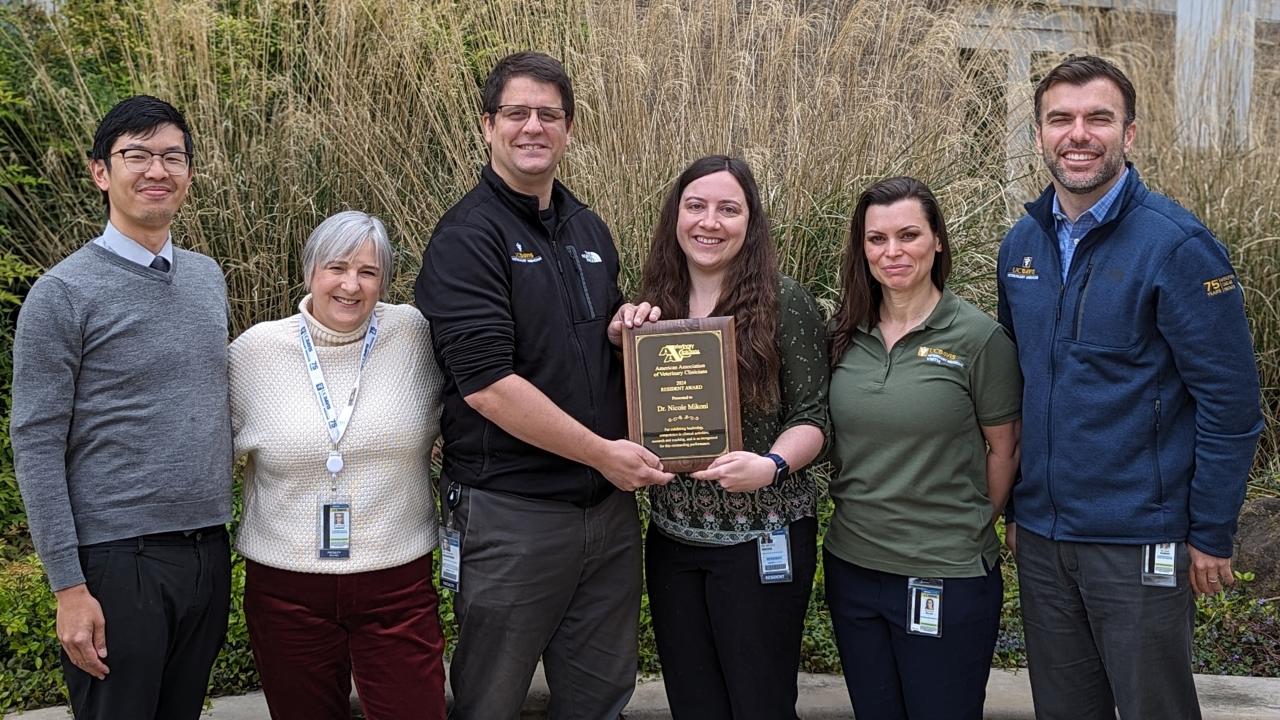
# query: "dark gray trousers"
542,578
1099,640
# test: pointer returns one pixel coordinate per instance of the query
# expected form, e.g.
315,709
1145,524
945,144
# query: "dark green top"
910,487
701,512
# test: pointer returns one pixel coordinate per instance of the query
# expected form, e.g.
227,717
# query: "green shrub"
30,672
1238,633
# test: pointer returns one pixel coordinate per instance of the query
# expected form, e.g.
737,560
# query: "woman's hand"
631,316
739,471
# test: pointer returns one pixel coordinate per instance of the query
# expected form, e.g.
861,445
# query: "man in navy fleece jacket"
1141,413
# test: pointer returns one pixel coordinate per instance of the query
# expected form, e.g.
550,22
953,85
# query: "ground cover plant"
301,109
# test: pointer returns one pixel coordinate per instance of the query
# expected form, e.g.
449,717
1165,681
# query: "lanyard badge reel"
333,508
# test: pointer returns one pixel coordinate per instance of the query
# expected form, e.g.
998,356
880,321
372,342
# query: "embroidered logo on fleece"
938,356
591,256
1218,286
1025,271
522,256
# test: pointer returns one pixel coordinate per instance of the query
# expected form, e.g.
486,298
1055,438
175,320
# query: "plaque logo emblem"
678,353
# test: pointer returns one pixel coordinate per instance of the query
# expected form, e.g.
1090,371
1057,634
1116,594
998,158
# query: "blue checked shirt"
1069,233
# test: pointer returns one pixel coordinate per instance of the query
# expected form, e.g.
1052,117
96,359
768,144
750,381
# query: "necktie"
160,264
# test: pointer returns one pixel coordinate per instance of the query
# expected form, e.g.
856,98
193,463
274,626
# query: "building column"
1214,71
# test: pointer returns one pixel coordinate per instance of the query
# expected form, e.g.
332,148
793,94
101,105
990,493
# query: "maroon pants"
312,632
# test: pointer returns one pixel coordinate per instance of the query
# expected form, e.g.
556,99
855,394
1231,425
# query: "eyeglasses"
520,113
175,162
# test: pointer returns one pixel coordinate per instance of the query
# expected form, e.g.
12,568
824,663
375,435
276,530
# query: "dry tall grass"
302,109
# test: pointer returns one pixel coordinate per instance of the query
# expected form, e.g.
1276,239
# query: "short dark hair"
140,115
1081,69
535,65
860,292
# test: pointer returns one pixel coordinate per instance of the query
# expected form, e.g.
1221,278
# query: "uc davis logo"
1025,271
524,256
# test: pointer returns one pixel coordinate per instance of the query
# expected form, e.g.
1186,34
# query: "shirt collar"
1100,208
941,317
944,312
130,249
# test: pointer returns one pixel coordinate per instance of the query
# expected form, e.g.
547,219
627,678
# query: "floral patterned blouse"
701,512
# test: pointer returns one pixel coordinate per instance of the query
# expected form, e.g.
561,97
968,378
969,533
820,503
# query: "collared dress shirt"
130,249
1069,233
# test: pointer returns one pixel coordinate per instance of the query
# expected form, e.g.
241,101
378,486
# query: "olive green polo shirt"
910,487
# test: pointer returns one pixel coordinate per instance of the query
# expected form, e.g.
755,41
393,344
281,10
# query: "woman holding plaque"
337,408
925,401
731,550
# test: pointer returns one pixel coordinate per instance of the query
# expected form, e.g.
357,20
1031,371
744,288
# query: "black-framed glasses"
175,162
521,113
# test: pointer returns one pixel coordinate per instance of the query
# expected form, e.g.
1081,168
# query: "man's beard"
1112,163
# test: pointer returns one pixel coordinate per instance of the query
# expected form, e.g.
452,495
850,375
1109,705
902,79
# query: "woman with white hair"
337,408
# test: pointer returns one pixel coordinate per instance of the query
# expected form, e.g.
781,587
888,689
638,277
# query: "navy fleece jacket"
1141,405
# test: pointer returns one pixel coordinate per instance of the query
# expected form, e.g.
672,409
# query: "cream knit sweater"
386,450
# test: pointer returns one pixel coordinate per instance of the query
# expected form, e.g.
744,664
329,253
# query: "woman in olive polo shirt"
925,401
728,636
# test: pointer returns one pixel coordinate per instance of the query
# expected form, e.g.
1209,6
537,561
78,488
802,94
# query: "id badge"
775,557
334,528
924,607
450,559
1159,563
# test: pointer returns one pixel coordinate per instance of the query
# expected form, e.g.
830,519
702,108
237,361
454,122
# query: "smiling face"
143,204
525,154
1083,138
345,291
712,224
899,245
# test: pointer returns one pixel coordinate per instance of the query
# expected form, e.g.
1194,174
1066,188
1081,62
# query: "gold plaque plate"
682,390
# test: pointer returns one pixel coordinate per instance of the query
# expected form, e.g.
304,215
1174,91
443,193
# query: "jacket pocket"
1155,454
589,305
1081,297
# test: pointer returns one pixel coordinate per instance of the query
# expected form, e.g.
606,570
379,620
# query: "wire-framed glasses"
521,113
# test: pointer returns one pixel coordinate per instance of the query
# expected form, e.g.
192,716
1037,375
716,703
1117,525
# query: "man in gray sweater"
122,434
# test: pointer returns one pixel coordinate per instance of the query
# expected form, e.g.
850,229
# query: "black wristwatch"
783,470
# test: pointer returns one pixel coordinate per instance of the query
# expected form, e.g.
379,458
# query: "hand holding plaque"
682,390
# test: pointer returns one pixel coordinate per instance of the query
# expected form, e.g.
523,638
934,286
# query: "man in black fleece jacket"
519,282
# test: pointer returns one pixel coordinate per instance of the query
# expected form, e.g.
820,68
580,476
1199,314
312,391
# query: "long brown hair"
860,293
750,293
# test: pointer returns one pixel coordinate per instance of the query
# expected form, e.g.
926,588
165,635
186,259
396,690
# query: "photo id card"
775,557
334,539
450,558
924,606
1159,562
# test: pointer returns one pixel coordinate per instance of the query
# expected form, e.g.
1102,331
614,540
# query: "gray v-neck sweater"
120,424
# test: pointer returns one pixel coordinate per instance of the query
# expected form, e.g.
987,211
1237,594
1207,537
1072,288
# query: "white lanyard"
336,422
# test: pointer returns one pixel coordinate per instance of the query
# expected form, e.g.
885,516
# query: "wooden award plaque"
682,390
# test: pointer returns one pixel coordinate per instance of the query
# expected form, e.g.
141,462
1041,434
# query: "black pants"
893,675
165,599
729,645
